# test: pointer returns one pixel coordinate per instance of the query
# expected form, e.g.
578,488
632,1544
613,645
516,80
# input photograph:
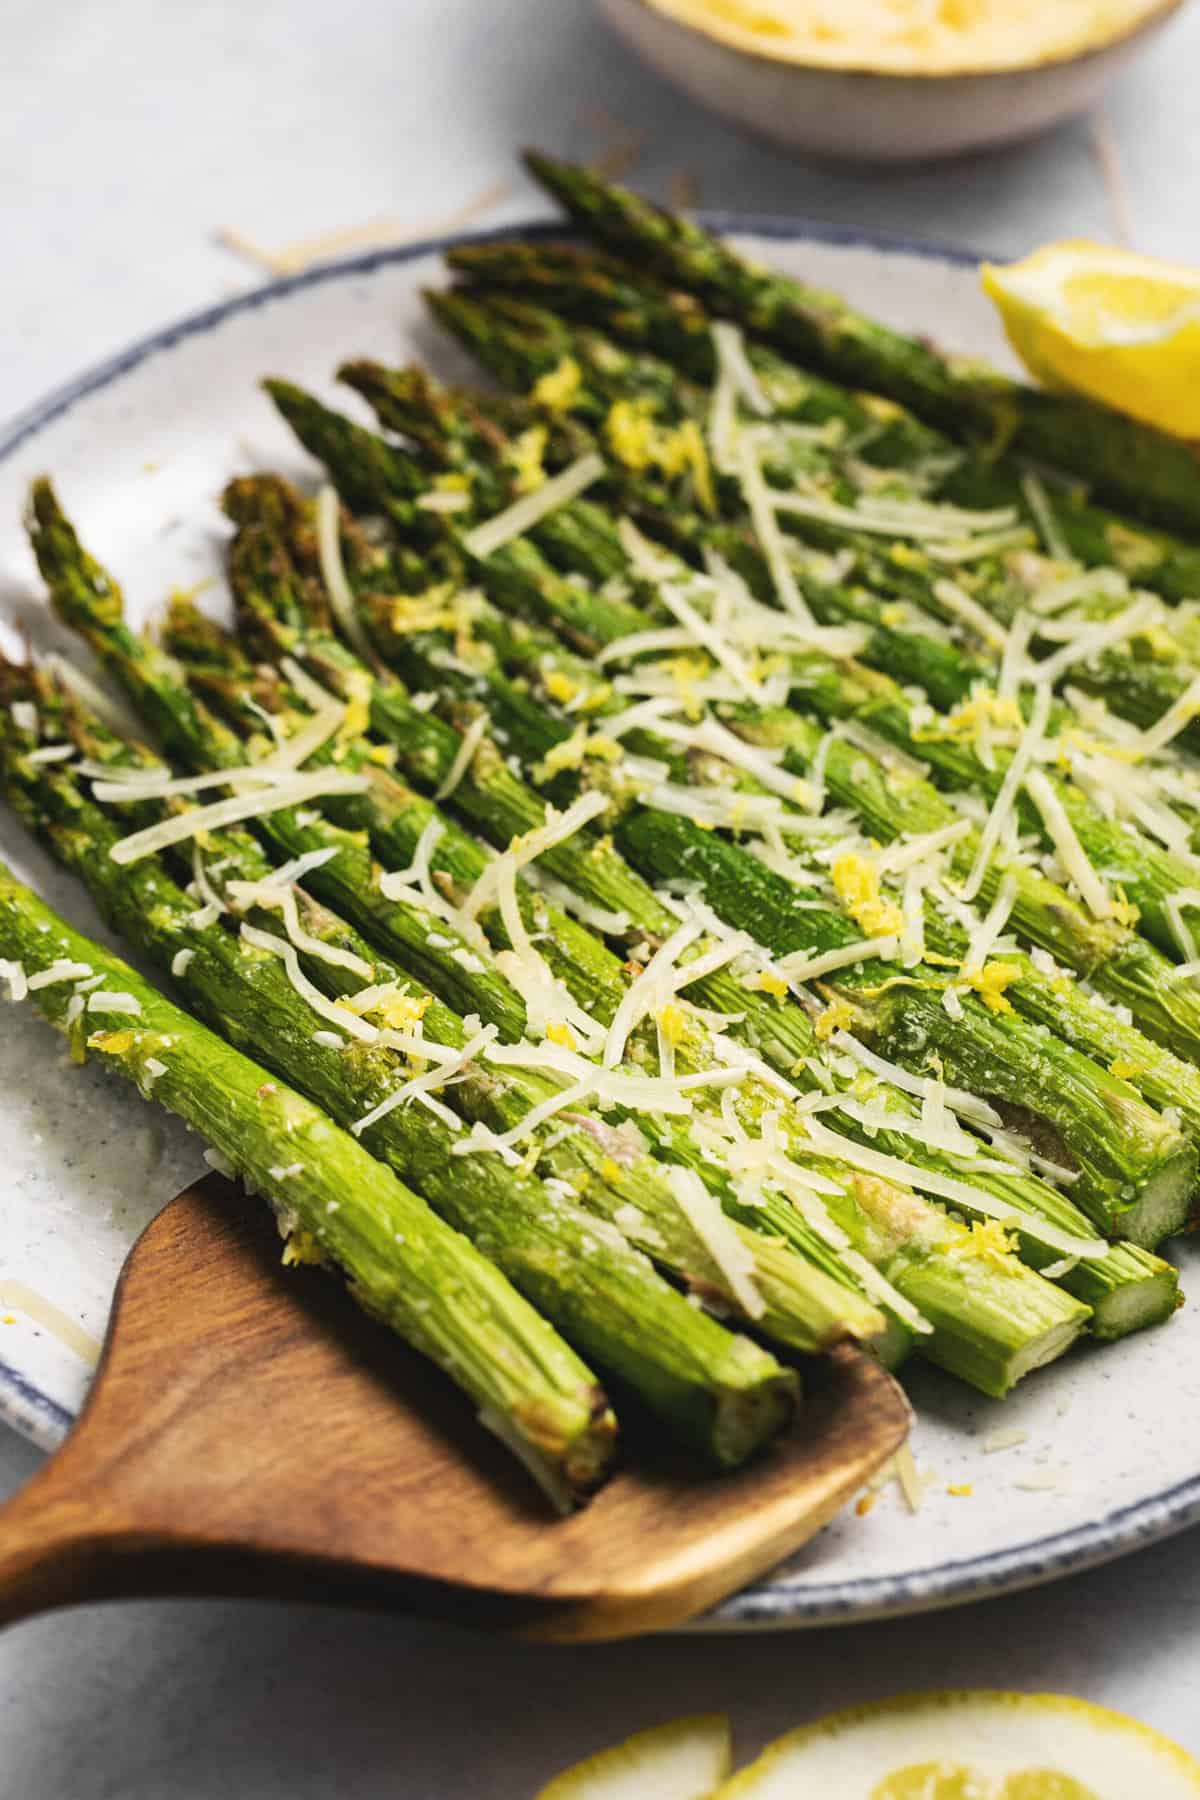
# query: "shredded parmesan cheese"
62,970
472,737
51,753
991,925
720,1238
14,974
531,509
331,1010
761,506
1070,851
800,966
421,1087
976,617
282,899
1038,502
1177,716
101,1002
333,571
179,828
1023,756
1093,639
947,1187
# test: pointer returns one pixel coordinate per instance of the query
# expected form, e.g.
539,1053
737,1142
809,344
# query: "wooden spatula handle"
58,1546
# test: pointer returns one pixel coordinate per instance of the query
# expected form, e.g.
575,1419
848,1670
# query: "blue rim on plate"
1042,1559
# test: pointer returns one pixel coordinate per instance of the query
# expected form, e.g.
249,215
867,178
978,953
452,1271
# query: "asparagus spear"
428,947
1128,970
89,602
525,345
333,1200
1154,1226
601,290
1129,463
1156,877
336,664
715,1391
897,1233
993,1330
787,1041
1158,1219
802,1306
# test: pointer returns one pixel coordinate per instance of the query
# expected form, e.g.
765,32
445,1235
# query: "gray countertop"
129,133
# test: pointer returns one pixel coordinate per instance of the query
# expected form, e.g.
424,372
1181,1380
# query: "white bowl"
867,115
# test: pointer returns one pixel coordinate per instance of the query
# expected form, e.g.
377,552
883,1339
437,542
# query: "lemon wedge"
1108,323
971,1746
685,1760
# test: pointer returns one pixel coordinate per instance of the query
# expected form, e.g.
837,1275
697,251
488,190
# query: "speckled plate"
1109,1450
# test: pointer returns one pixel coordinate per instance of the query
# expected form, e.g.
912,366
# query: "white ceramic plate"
140,449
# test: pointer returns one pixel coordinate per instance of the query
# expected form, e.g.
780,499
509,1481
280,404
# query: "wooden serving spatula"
251,1432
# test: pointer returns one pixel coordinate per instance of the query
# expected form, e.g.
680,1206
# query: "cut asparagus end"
894,1344
749,1409
1137,1304
1164,1205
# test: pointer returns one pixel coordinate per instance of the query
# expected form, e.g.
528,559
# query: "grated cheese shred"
718,1234
484,540
333,571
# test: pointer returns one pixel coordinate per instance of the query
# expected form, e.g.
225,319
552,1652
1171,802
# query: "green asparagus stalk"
1128,970
402,738
1140,678
1158,1219
717,1392
803,1307
1127,462
334,1201
788,1044
897,1232
593,288
1005,1333
243,505
350,882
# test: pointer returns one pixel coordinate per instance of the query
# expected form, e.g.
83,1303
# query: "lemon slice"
1107,323
685,1760
971,1746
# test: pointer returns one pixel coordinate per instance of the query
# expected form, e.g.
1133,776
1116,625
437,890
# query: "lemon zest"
572,751
990,982
766,981
989,1241
838,1016
672,1023
856,884
302,1247
526,455
557,389
1123,909
559,686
